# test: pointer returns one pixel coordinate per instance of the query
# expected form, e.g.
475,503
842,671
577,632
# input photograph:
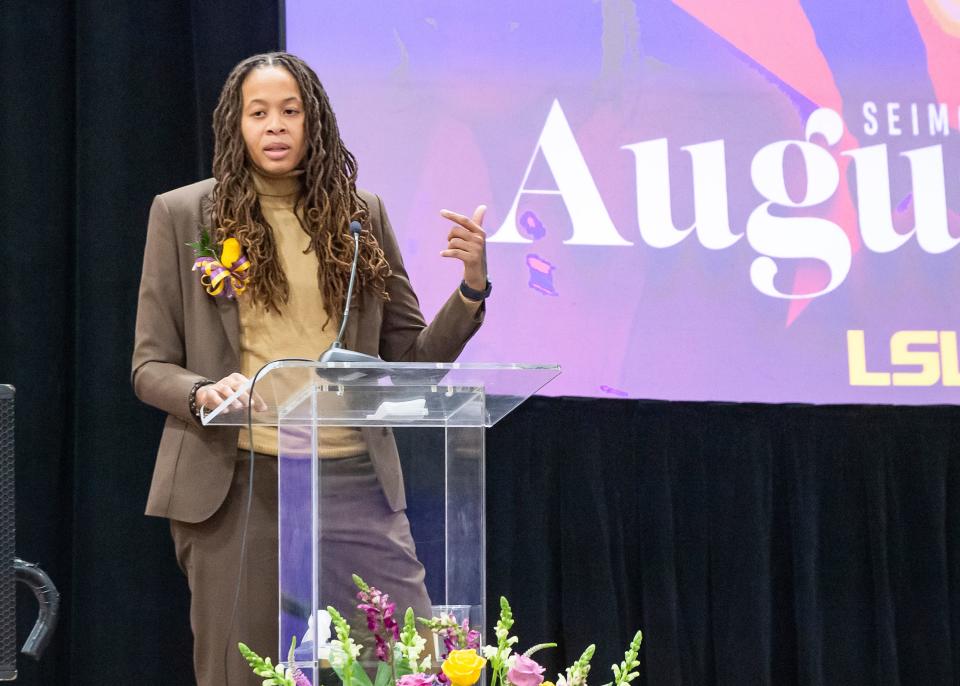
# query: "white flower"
408,650
340,654
338,659
411,652
577,676
489,652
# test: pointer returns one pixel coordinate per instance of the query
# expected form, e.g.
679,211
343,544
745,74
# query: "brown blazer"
184,335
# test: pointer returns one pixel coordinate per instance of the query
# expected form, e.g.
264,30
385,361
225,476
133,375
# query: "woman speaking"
277,213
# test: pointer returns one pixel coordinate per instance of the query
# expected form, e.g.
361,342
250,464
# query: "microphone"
336,352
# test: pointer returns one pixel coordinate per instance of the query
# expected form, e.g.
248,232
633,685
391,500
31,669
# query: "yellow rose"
230,252
463,667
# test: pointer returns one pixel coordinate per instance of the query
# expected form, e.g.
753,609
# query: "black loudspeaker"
8,623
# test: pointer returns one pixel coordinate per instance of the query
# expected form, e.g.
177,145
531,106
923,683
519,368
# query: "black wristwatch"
473,294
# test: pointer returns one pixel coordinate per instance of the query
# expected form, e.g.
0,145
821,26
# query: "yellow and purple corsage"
225,276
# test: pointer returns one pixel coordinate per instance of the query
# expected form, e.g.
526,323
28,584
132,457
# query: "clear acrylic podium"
445,486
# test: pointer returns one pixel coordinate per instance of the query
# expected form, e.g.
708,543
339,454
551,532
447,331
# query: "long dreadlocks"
326,207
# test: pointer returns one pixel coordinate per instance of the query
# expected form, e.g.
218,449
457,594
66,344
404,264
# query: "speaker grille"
8,623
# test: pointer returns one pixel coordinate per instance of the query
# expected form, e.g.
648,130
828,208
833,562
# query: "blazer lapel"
227,307
230,316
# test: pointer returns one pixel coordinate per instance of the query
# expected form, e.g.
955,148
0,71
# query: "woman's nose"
275,125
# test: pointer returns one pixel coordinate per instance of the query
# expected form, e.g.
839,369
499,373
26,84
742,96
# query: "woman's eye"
291,111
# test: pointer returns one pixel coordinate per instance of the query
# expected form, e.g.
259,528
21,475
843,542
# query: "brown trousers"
209,554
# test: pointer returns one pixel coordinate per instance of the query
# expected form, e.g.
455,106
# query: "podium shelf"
305,392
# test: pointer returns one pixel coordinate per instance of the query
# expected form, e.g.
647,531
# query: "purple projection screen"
689,200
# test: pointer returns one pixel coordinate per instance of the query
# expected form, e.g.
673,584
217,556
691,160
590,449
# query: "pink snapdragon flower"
380,619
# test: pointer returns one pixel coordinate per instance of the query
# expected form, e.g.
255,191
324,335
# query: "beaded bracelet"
194,410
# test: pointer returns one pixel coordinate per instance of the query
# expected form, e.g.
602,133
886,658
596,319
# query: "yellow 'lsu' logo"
937,361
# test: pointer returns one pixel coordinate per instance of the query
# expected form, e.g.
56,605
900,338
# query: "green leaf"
340,674
293,647
384,675
353,673
203,247
360,675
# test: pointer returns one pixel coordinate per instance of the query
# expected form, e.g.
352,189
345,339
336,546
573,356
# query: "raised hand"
467,242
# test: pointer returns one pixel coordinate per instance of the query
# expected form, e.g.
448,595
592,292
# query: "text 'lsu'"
917,358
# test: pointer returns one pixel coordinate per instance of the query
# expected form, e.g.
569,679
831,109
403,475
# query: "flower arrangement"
400,649
223,276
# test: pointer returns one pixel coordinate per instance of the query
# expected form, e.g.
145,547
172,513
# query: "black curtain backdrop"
753,544
105,105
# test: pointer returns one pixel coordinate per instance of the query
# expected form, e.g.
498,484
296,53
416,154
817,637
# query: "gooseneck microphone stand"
336,352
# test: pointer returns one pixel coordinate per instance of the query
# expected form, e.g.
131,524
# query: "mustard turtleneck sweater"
298,329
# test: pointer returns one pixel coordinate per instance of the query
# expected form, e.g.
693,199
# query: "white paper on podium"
410,409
